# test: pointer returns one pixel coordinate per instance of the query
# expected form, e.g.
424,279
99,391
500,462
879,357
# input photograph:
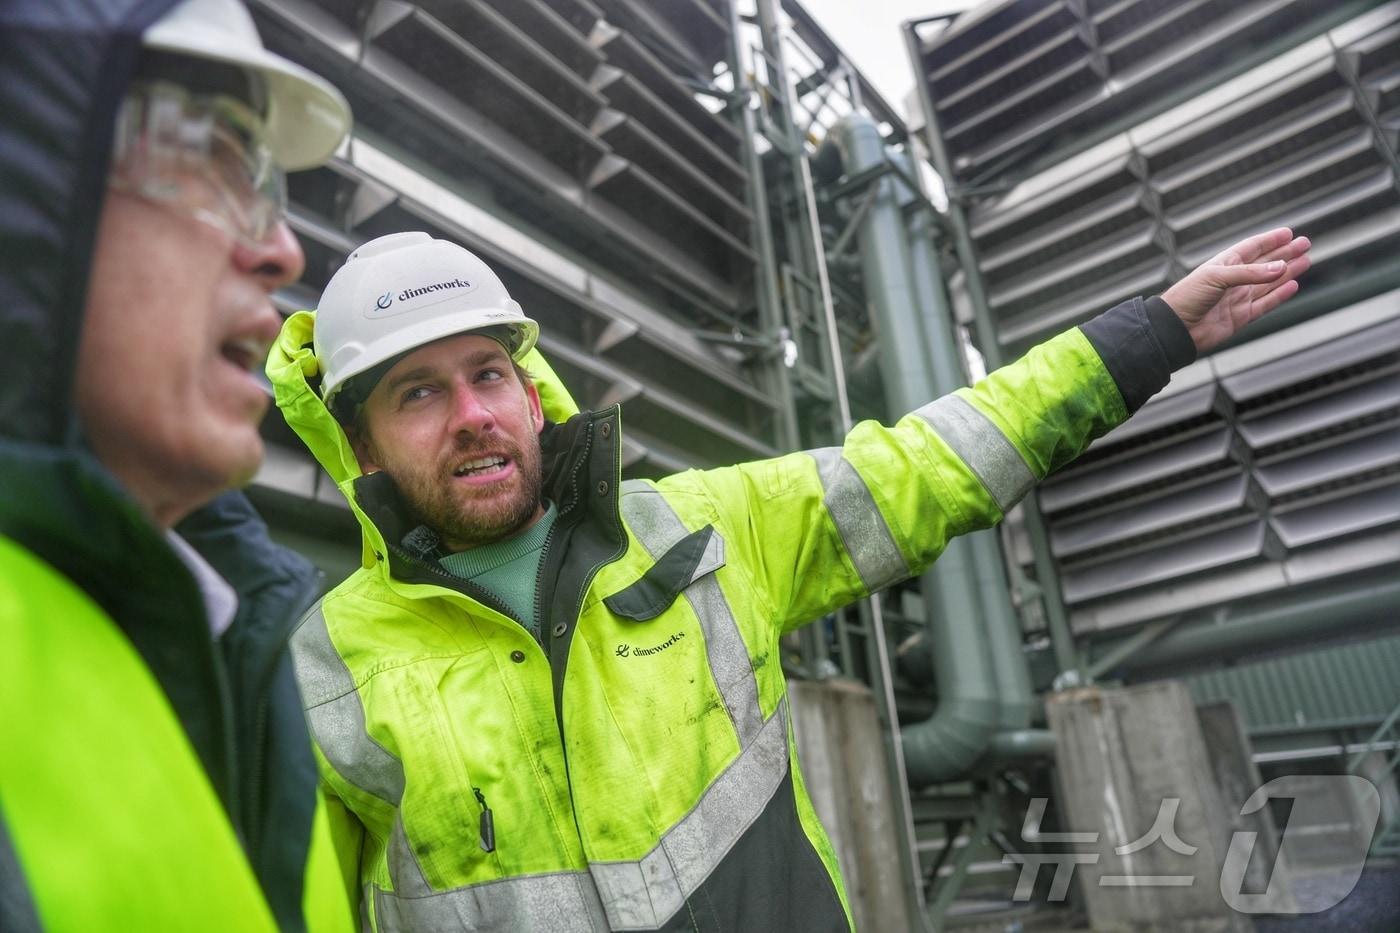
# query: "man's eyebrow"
472,359
413,375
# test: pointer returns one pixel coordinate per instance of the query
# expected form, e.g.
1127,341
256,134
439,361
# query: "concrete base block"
841,750
1140,786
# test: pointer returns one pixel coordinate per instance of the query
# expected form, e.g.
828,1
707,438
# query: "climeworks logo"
386,301
408,293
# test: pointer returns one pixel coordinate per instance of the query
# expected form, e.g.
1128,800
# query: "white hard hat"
306,117
402,291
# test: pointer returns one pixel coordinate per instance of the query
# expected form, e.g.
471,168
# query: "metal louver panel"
522,106
567,149
1308,138
1014,81
1273,464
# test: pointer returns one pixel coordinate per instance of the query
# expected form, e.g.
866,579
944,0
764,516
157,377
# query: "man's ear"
532,396
364,450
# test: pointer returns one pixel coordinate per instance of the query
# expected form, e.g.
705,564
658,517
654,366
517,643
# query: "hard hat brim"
411,338
307,117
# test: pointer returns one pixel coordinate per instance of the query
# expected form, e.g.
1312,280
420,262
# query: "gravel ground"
1373,906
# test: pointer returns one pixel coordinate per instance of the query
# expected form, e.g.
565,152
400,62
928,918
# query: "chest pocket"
688,560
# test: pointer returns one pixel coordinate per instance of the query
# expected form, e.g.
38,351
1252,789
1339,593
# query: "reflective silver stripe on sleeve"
657,526
982,446
862,527
645,894
337,716
562,901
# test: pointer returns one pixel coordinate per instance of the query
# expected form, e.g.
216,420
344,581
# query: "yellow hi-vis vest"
110,820
637,771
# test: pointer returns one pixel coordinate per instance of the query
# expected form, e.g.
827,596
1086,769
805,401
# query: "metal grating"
1273,464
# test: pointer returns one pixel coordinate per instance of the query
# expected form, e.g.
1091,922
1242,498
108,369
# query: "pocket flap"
689,559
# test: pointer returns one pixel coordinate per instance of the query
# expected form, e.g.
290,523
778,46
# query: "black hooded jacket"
64,65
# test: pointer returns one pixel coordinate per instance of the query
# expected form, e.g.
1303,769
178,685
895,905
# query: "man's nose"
469,416
276,261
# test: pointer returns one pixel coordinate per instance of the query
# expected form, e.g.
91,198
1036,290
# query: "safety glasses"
201,155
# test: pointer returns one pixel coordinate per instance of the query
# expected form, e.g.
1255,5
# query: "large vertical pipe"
1057,618
935,318
968,714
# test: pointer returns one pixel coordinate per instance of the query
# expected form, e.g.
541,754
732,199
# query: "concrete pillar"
839,746
1138,781
1237,776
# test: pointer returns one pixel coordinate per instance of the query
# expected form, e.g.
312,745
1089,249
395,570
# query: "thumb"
1252,274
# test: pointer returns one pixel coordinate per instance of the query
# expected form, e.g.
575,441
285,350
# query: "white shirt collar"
220,601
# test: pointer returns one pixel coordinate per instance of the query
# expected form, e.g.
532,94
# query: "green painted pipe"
919,364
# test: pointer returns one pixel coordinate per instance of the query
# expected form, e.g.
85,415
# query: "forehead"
445,355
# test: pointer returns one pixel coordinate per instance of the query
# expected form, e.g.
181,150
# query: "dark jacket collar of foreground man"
63,70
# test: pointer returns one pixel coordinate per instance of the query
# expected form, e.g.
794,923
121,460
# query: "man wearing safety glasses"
155,771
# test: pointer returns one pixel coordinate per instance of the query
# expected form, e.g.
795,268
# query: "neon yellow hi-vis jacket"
636,772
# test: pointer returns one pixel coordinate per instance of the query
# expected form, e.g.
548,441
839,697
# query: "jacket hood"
295,373
63,70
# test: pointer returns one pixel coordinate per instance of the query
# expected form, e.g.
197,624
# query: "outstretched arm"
821,528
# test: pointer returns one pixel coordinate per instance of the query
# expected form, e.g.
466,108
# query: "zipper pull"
488,825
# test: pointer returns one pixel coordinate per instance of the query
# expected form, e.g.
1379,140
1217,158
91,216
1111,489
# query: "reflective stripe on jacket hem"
561,901
644,894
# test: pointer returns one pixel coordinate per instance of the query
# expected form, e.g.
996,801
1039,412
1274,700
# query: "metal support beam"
770,301
805,241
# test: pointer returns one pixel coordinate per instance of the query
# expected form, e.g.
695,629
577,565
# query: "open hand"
1244,282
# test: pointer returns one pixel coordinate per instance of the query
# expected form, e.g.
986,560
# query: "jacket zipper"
488,823
465,587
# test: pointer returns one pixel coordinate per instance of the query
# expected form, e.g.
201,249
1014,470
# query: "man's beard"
436,500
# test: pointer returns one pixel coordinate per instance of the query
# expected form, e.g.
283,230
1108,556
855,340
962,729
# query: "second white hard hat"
306,118
404,290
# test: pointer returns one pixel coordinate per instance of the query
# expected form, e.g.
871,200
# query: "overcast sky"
868,32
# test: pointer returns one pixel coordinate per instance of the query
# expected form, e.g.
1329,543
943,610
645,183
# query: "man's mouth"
481,466
244,352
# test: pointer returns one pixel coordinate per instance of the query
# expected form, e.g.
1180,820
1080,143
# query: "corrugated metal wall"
1342,686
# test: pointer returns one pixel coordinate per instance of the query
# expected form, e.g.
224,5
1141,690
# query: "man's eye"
489,375
416,393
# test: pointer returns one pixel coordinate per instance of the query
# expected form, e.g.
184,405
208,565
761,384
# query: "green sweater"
508,568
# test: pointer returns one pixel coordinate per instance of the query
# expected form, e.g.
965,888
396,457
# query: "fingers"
1293,268
1270,295
1252,274
1263,305
1252,249
1289,251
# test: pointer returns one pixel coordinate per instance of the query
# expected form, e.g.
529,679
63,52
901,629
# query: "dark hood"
64,65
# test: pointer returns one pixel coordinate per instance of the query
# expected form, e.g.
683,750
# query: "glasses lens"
202,155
